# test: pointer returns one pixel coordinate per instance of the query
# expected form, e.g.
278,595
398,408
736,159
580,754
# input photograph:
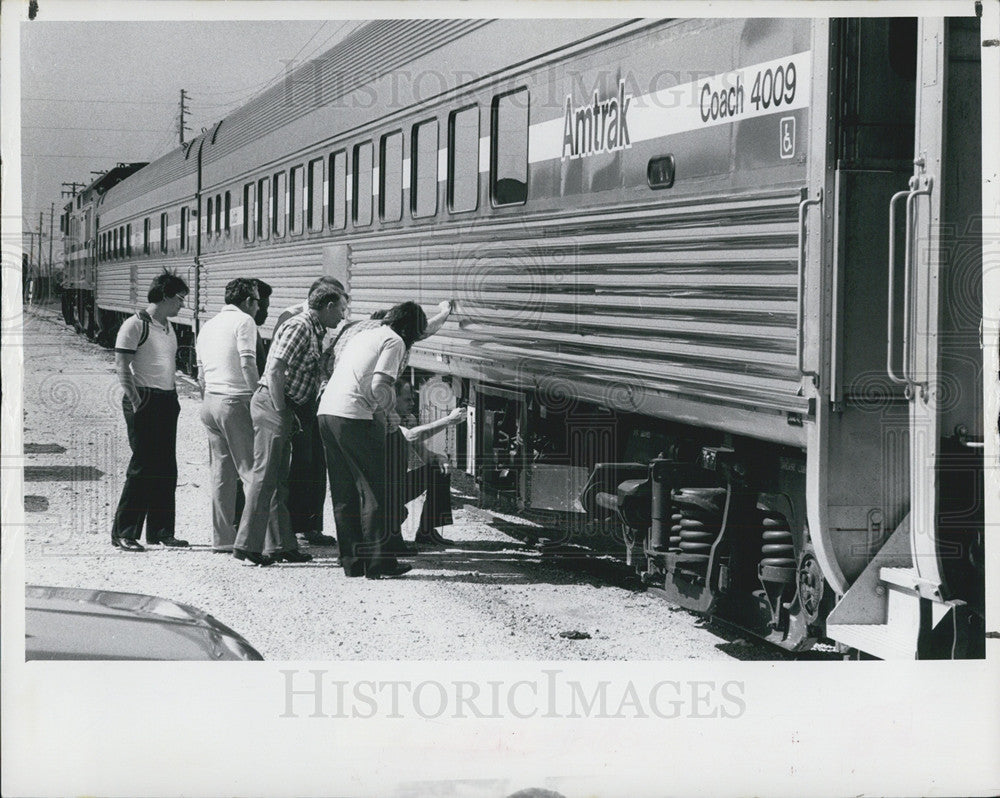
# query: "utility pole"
71,191
41,263
181,125
52,222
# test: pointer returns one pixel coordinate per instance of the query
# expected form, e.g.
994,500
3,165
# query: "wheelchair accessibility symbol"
787,128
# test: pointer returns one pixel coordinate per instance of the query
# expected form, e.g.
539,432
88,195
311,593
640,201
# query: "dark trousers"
356,462
307,477
405,484
151,478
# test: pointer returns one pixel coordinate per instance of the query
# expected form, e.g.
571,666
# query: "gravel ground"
490,596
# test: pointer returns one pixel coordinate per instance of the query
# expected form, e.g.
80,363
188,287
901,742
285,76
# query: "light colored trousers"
230,451
265,526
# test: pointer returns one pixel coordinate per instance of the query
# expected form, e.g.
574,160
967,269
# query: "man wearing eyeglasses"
227,374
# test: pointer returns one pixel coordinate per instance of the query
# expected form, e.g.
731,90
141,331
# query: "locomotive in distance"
667,313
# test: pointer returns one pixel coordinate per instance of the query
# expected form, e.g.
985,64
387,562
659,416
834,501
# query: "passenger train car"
717,284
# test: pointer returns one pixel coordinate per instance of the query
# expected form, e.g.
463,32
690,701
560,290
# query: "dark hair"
378,315
324,294
325,280
240,290
408,321
166,285
263,289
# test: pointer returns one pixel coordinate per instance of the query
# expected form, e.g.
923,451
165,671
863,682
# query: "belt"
157,391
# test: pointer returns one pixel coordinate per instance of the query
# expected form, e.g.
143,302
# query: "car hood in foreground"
77,623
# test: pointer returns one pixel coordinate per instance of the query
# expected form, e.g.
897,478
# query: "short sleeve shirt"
297,342
155,357
344,336
222,343
348,394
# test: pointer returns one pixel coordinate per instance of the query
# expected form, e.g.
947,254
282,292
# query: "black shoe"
319,539
252,557
127,544
387,571
400,547
291,556
173,543
429,539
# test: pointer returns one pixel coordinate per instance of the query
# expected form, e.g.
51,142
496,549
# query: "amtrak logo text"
596,128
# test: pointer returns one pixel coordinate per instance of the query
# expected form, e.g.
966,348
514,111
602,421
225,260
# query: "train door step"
898,636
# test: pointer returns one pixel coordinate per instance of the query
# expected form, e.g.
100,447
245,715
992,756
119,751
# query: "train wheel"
813,601
812,587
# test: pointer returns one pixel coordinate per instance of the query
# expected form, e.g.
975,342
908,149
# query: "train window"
208,217
114,243
361,213
145,236
228,211
184,229
263,217
295,190
163,232
509,153
218,214
660,172
249,217
279,204
314,195
121,241
463,160
424,169
338,190
128,240
390,180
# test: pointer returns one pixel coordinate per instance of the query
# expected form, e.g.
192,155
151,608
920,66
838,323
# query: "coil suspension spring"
777,549
696,522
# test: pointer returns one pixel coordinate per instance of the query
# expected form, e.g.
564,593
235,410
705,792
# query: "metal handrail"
800,313
890,315
907,268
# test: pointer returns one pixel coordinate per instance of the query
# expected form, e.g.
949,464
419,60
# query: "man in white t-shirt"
227,374
145,359
352,421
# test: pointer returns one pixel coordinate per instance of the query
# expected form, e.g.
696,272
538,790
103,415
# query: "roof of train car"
179,162
371,50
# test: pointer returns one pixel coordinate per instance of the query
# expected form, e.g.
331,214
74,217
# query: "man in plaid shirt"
290,380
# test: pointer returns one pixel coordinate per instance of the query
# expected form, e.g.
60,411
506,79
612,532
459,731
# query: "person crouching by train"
145,359
290,379
352,421
307,475
415,469
227,375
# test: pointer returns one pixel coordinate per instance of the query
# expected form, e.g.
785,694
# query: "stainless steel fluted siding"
289,269
698,300
114,286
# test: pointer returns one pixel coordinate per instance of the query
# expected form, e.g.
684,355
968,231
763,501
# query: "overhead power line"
85,100
103,129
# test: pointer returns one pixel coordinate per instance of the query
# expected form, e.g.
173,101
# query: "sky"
96,93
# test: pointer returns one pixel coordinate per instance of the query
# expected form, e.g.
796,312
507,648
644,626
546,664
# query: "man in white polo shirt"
145,359
353,414
227,373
